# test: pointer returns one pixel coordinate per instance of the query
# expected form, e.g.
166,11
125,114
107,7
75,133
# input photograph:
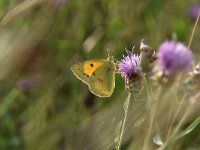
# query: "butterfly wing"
102,81
85,69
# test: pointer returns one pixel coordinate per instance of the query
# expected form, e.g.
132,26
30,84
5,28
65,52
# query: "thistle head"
174,57
194,11
130,69
146,49
58,3
147,57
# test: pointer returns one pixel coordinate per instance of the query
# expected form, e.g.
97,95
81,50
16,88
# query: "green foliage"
42,104
190,128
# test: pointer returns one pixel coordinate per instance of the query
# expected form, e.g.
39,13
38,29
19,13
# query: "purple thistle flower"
28,84
174,57
193,12
58,3
129,66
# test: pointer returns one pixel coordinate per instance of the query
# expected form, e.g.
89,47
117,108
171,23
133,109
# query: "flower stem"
152,120
126,106
193,31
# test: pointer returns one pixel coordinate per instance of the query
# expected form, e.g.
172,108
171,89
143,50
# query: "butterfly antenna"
108,52
110,57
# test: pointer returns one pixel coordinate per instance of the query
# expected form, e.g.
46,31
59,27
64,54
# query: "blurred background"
43,106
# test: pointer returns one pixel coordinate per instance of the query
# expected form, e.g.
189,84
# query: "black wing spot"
88,76
91,65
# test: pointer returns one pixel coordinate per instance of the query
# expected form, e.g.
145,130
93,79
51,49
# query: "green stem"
126,106
152,121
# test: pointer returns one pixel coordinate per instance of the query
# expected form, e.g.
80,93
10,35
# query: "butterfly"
98,74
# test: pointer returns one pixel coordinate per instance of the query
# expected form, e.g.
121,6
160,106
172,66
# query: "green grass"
58,111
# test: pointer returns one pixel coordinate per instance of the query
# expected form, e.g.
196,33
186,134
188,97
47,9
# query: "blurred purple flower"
28,84
58,3
130,65
193,12
174,57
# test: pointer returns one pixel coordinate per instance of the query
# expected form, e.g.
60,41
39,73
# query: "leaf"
190,127
7,102
126,103
117,134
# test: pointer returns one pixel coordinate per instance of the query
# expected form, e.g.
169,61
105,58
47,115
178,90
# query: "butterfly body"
98,74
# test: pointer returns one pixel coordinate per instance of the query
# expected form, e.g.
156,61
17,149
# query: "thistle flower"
196,74
147,56
130,65
130,69
193,12
28,84
174,57
58,3
146,49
